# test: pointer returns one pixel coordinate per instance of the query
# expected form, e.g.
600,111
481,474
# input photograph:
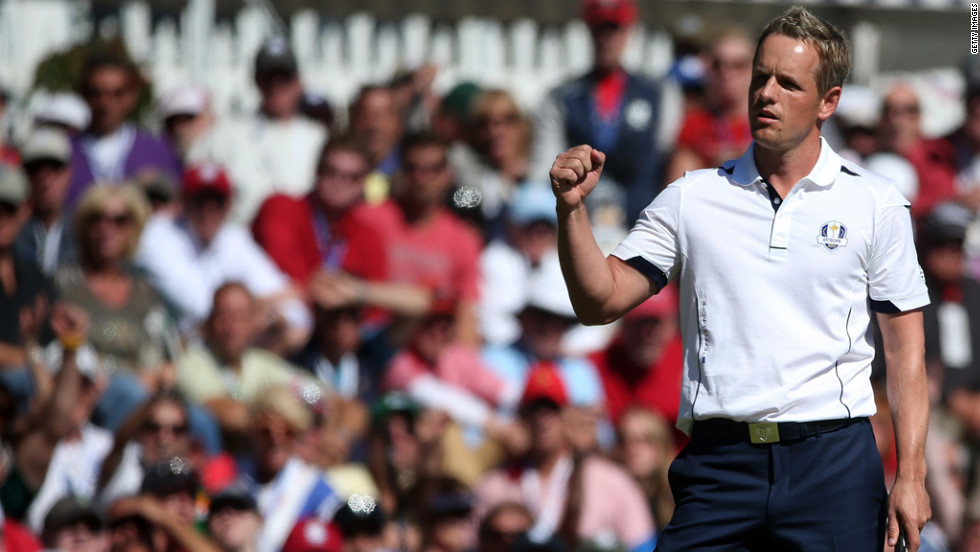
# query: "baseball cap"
596,12
544,383
64,109
157,185
661,305
393,403
206,177
547,290
235,497
859,106
46,143
170,477
183,100
946,222
458,102
314,535
275,54
532,202
13,185
68,511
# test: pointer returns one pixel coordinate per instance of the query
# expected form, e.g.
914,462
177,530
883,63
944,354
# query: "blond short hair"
92,203
829,42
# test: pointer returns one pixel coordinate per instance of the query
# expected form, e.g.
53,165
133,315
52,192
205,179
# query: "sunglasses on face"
414,168
116,219
35,167
503,119
110,93
8,209
156,427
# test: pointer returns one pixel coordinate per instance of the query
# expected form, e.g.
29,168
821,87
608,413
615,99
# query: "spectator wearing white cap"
506,265
45,239
190,258
190,125
64,111
278,146
545,319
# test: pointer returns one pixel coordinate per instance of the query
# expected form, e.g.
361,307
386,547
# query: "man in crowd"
900,132
375,118
75,525
189,258
776,393
427,245
643,365
112,149
45,237
617,111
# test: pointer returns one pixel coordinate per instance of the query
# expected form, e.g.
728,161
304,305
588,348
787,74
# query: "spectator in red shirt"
900,131
643,365
427,245
718,131
325,240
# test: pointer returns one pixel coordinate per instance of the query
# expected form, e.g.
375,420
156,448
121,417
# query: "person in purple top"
112,149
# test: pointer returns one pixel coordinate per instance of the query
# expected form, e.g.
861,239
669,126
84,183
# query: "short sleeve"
652,247
895,280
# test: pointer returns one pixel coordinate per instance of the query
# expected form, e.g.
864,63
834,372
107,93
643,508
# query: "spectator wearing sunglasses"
159,430
130,328
112,149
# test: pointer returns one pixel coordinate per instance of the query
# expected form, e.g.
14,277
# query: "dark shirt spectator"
47,237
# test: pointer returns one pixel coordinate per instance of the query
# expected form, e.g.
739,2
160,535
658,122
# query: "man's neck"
47,218
332,354
103,132
231,361
418,215
783,169
546,462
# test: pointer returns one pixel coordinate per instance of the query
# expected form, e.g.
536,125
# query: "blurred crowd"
344,328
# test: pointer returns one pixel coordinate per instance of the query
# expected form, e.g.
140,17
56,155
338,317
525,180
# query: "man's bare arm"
908,396
601,289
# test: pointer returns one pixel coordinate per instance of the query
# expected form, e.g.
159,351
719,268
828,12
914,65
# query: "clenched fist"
575,174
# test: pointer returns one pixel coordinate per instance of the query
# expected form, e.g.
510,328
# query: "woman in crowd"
130,329
500,137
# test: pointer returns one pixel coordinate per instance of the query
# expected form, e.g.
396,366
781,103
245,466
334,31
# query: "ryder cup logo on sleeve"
832,235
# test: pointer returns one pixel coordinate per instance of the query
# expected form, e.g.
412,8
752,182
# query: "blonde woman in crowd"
130,329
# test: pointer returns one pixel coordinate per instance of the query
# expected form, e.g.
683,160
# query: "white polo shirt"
775,310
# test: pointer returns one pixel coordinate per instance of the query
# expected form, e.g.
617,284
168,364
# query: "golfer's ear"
828,103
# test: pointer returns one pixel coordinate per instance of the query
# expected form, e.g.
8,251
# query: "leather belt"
768,432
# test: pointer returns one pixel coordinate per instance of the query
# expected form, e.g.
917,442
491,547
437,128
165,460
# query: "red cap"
595,12
206,177
661,305
314,535
544,382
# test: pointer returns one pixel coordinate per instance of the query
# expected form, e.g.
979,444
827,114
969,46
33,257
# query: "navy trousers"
822,493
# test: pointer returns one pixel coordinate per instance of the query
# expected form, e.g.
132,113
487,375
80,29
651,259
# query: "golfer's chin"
765,137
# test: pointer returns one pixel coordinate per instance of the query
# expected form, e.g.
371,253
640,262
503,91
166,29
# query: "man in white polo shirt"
782,255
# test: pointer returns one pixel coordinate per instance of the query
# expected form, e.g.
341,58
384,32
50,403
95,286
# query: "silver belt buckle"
764,433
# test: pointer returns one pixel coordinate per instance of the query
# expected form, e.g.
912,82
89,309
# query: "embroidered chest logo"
832,235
